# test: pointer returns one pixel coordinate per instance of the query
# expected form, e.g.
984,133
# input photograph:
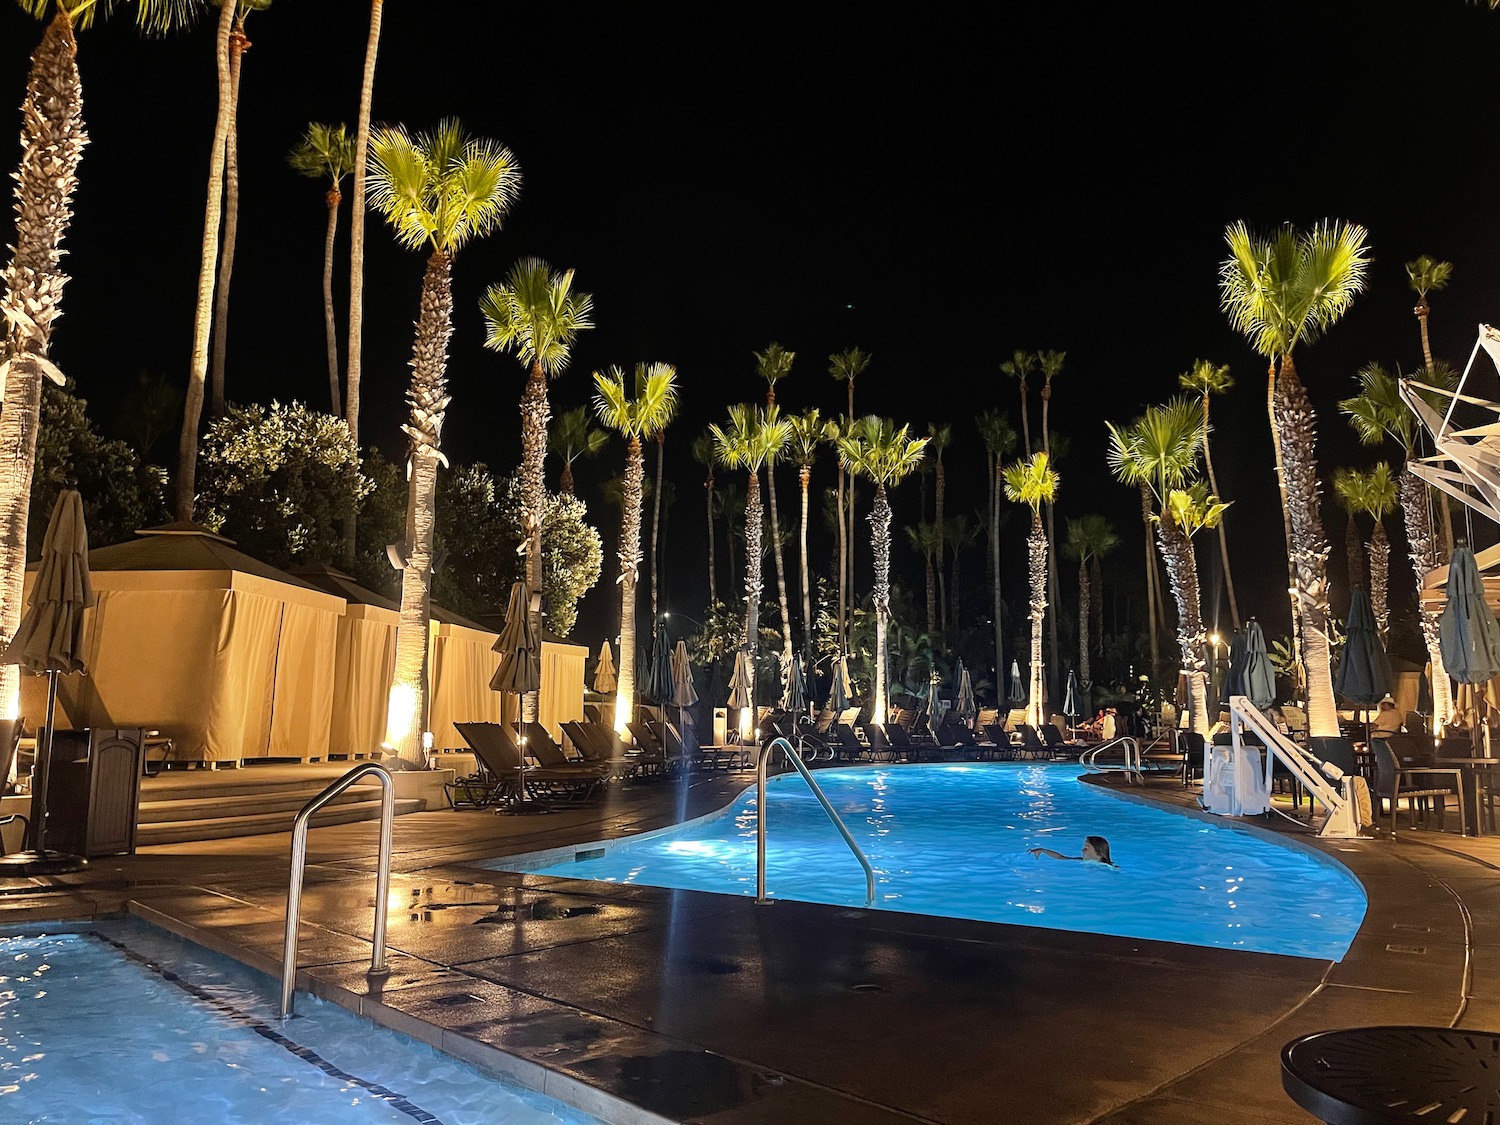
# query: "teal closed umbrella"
658,684
1468,632
1259,683
1364,675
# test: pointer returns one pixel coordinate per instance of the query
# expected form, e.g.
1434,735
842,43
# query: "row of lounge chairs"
907,738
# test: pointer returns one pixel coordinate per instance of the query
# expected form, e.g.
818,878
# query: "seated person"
1387,720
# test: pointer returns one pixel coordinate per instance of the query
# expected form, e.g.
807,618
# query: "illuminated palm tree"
1051,365
1160,452
703,453
324,152
570,438
1207,379
52,141
747,441
999,443
877,450
1033,482
1348,487
939,438
1089,538
808,432
1426,275
536,315
923,540
636,419
1370,494
1378,414
846,366
438,191
1021,366
773,365
1282,291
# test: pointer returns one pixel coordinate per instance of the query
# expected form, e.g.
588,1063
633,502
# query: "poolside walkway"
645,1005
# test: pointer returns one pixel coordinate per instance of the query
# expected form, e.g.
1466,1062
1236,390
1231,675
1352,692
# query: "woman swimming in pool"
1095,850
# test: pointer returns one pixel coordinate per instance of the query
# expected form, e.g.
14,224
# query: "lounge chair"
879,743
495,746
597,743
850,746
999,745
953,735
1032,745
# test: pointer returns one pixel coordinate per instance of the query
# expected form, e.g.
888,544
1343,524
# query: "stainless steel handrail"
1131,766
299,863
760,820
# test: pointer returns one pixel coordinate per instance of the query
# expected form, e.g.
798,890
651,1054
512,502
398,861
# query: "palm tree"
572,437
749,439
1372,494
1378,414
939,438
1089,538
703,453
324,152
438,191
846,366
999,443
1051,365
923,539
773,365
808,432
52,141
1282,291
357,252
876,449
1034,482
635,419
238,45
959,535
1021,366
1426,275
1160,452
536,315
1348,487
192,408
1207,379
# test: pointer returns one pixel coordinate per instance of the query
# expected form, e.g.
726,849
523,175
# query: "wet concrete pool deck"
643,1005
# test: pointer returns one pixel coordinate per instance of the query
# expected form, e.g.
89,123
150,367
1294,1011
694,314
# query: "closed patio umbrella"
684,694
658,685
963,699
839,694
1073,697
49,640
1364,675
740,694
1259,676
793,686
520,668
1234,680
1017,687
1468,632
604,671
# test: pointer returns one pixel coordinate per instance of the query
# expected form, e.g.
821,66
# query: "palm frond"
998,434
1428,275
774,364
1206,378
536,314
440,189
849,364
1032,482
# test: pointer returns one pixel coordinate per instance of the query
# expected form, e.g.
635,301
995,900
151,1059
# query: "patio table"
1477,773
1390,1075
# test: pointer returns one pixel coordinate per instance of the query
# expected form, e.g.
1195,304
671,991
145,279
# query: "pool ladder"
760,820
1132,767
299,863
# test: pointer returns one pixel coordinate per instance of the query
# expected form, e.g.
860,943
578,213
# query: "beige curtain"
461,665
302,704
364,656
243,679
561,698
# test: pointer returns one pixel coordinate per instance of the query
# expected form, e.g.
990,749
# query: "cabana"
227,656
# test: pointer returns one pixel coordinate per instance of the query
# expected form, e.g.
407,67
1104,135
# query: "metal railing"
299,863
1132,758
760,820
1342,821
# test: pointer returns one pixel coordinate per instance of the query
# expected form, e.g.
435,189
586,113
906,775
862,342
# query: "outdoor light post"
666,613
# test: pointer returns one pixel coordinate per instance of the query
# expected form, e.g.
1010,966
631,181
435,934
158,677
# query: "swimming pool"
952,840
125,1024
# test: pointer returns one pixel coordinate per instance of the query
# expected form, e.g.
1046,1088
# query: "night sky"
935,188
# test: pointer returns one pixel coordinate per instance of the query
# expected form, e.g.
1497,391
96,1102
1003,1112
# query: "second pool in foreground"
952,840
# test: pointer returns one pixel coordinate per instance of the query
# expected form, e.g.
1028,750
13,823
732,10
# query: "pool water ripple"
952,840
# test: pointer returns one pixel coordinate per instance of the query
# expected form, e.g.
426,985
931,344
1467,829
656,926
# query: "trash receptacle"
94,790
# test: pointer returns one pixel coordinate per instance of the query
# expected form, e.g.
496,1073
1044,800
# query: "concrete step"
254,824
277,800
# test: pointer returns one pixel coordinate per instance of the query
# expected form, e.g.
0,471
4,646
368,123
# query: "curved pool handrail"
760,820
1131,766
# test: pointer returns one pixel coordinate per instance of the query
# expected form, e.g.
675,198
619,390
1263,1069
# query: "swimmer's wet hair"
1101,849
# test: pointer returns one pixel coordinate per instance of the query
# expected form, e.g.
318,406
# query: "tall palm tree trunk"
661,449
807,618
330,328
1036,557
1096,587
713,590
1213,484
428,397
1152,596
536,414
1085,605
846,536
754,527
1025,420
937,515
1354,550
953,618
843,569
999,601
1054,664
192,404
52,140
932,599
1308,547
238,45
1423,554
1286,520
786,616
630,561
880,543
357,256
1380,578
1182,571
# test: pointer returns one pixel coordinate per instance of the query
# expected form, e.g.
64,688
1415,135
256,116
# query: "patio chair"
1032,745
596,743
953,735
902,744
10,743
1057,745
1392,783
878,742
496,747
850,746
999,745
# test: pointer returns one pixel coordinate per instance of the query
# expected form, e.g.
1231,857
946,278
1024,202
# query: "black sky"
936,185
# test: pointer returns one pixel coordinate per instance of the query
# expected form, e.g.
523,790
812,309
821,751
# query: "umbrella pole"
41,768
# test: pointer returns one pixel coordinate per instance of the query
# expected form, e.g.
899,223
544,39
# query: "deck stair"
179,807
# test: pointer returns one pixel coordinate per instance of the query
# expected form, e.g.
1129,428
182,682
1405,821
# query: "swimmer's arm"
1039,852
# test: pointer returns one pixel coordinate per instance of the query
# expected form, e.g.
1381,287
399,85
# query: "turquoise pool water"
130,1026
953,839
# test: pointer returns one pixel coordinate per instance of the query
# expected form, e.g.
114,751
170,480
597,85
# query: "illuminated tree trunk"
630,561
329,326
941,483
1182,572
880,543
786,615
1152,594
1096,586
1309,549
843,569
661,449
52,140
192,403
238,45
1380,578
805,479
428,398
1423,553
1286,523
996,492
1085,605
708,492
1036,557
1213,484
754,520
536,413
357,255
932,600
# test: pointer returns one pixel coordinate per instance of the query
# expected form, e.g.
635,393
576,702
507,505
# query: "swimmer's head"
1096,848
